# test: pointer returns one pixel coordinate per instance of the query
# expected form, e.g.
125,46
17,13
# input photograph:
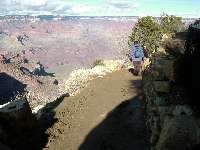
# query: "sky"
184,8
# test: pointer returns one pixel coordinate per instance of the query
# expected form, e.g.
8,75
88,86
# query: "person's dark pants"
137,67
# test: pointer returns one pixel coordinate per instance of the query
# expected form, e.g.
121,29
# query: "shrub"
150,32
171,24
98,62
197,22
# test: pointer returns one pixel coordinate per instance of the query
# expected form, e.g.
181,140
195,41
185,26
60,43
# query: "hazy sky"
185,8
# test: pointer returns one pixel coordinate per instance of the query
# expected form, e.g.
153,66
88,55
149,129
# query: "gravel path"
106,115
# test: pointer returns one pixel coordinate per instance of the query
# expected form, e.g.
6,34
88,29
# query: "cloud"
29,2
107,7
123,4
83,8
95,7
34,7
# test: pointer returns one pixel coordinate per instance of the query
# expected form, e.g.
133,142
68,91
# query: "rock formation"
169,85
15,119
172,122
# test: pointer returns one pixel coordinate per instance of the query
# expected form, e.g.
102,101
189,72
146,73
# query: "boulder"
164,112
15,117
182,110
162,86
18,109
163,69
178,133
161,101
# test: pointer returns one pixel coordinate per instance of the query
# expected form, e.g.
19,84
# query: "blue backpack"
138,52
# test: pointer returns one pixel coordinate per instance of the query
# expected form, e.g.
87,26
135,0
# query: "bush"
197,22
149,32
171,24
98,62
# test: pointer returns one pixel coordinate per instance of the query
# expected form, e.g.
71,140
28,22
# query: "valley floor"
106,115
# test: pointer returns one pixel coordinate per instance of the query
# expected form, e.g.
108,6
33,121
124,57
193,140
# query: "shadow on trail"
46,120
123,129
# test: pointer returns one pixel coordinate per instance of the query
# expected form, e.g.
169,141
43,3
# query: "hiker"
136,57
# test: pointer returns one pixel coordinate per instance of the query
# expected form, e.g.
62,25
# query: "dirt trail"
107,115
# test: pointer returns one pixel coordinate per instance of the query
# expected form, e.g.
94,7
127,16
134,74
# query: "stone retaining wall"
172,123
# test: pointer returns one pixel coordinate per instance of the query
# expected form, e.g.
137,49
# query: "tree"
171,24
148,32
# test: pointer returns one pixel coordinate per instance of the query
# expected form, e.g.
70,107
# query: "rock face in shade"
9,87
178,132
171,120
4,147
16,118
18,109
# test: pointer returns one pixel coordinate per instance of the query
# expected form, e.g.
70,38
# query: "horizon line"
93,16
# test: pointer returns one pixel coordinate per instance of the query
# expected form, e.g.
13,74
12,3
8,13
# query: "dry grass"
79,78
98,62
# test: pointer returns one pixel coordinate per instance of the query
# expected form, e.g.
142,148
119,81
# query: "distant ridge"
57,17
62,17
